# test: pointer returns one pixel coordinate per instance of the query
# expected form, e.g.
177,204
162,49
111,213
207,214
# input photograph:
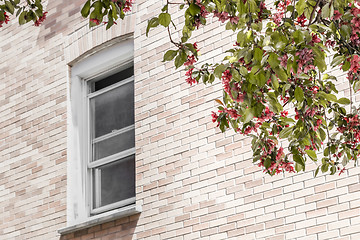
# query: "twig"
313,12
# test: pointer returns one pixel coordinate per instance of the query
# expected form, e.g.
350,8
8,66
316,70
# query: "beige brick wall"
193,182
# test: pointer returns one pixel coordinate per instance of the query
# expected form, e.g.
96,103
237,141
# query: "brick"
192,181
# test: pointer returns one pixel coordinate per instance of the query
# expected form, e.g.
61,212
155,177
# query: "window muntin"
111,162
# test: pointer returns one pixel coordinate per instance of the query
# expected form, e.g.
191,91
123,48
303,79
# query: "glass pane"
116,181
117,77
113,110
114,144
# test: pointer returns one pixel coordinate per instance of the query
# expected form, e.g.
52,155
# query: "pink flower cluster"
262,7
353,72
283,60
355,26
203,13
301,20
232,113
230,87
215,118
94,20
354,63
266,115
351,128
305,61
224,16
41,19
281,9
127,4
191,60
278,165
7,19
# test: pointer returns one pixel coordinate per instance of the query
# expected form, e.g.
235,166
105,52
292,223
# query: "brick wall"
193,182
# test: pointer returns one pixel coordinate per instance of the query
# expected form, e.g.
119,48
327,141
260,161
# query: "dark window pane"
113,110
117,181
114,144
117,77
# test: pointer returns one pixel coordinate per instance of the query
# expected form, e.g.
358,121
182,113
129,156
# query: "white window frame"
102,62
118,157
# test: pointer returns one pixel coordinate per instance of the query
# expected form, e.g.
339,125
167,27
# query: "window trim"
102,63
93,196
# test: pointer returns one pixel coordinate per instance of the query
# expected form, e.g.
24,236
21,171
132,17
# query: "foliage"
275,86
28,11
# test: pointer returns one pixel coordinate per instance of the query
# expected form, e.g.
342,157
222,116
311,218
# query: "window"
101,136
111,163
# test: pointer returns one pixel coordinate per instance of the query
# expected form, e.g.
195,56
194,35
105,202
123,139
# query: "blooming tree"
274,79
30,10
275,86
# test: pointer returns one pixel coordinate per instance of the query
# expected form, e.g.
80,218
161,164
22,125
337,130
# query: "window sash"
113,134
113,206
107,89
118,157
112,158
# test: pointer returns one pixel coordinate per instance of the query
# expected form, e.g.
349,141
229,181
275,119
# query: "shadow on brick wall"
122,229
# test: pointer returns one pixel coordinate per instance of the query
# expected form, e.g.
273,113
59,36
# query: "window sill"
102,218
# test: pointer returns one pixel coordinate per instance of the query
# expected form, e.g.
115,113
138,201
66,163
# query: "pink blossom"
337,15
40,19
354,64
283,60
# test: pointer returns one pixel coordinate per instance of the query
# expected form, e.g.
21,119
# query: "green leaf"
285,132
164,19
194,9
299,94
267,163
22,18
346,66
154,22
330,97
186,32
325,167
356,86
299,167
332,170
169,55
317,171
343,101
337,60
345,160
300,6
319,59
165,8
322,134
235,74
248,115
281,74
241,39
9,7
299,160
85,9
180,59
326,151
325,11
273,60
258,53
274,82
219,70
110,20
311,154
